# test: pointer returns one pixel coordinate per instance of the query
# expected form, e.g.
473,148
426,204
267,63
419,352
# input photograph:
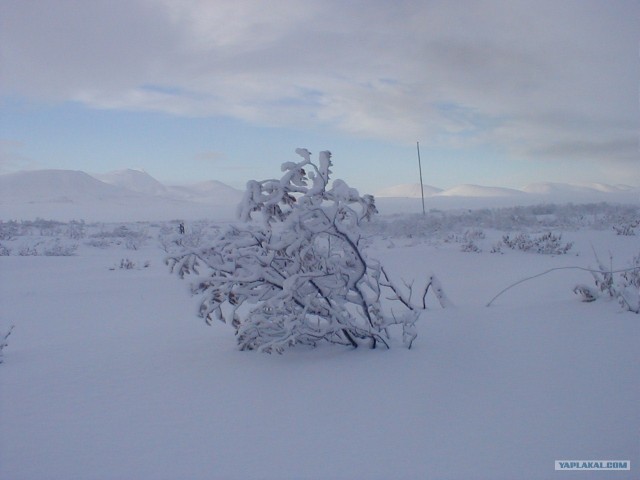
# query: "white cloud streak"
541,80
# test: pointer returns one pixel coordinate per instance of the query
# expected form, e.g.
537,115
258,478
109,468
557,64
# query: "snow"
398,197
479,191
134,180
126,195
61,186
131,195
109,373
207,192
564,188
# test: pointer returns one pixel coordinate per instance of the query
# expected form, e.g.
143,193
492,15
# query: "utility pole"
421,184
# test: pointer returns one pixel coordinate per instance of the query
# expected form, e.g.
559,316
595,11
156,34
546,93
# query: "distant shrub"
626,229
122,234
98,243
599,216
27,251
547,244
126,264
75,230
8,230
59,249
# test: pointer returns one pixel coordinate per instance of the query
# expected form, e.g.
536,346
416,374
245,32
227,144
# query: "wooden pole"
421,184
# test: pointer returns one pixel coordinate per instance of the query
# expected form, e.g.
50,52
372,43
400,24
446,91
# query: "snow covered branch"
3,341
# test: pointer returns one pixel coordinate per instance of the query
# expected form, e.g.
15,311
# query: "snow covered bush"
59,249
133,238
623,285
75,229
548,243
8,230
468,240
296,272
626,229
126,264
28,250
172,239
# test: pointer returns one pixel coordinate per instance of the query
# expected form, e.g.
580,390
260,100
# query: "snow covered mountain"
547,188
552,191
406,198
479,191
118,196
134,180
210,191
135,195
408,190
412,190
56,186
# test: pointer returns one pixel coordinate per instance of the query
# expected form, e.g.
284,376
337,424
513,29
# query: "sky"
497,92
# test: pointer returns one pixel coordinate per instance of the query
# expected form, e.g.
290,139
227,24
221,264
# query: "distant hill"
210,191
134,180
479,191
549,188
412,190
55,186
118,196
408,190
129,195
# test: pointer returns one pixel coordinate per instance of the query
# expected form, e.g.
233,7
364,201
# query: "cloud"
542,79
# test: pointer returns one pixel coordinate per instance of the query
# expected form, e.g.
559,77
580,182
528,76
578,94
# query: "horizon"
122,178
498,94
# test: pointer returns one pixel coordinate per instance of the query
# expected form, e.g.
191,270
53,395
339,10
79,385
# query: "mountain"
134,180
130,195
55,186
549,188
210,191
408,190
479,191
126,195
412,190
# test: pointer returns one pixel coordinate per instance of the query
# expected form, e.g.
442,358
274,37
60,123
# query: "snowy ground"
109,374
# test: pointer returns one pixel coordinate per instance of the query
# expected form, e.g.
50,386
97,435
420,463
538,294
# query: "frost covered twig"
590,270
3,341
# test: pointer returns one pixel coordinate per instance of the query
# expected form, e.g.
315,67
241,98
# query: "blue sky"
501,93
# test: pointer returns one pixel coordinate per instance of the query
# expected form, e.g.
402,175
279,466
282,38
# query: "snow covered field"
109,373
